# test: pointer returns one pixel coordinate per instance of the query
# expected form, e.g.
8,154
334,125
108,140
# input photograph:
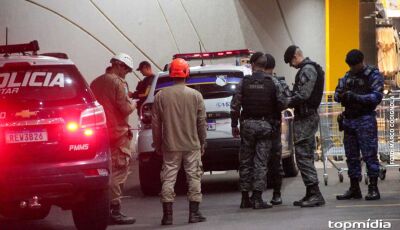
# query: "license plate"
211,125
26,137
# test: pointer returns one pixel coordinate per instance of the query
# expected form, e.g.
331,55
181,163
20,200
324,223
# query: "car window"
210,85
42,86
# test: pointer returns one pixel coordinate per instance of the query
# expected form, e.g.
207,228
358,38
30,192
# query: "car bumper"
53,181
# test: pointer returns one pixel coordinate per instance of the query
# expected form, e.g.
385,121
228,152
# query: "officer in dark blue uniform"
360,91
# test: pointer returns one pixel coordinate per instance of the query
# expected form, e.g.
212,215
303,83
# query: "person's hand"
349,96
235,132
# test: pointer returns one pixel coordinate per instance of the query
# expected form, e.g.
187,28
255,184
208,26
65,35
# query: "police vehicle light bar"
32,46
214,55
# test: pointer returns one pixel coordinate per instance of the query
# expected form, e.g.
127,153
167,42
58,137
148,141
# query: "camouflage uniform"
275,168
305,123
256,142
112,93
360,126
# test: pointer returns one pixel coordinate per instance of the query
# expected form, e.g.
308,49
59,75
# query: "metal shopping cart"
331,139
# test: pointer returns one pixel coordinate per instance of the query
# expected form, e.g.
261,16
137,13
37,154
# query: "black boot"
194,213
276,197
116,217
167,213
353,192
299,202
315,199
258,201
373,192
246,201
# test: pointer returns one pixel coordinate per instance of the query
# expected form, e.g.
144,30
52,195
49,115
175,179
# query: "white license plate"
26,137
211,125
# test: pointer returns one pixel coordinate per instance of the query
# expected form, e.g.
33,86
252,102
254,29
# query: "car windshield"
42,86
210,85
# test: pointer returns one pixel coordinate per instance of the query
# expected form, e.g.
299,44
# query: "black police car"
53,139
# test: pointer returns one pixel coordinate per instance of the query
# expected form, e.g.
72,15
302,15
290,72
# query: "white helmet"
124,58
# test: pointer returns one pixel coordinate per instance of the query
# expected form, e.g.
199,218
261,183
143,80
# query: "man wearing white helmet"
111,91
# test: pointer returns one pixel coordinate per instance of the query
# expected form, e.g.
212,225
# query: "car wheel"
149,177
289,166
93,213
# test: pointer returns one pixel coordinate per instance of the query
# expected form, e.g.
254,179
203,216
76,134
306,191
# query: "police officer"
259,97
111,91
179,134
360,91
306,96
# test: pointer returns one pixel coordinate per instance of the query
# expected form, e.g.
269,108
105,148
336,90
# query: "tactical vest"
258,96
315,99
359,84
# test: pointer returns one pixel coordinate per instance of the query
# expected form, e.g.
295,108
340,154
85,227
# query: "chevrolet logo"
26,114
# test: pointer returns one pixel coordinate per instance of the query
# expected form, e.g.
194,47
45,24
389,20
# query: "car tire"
149,177
94,212
289,166
16,213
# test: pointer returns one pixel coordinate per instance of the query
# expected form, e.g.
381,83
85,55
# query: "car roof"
35,60
214,68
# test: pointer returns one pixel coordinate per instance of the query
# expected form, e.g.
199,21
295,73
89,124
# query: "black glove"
350,97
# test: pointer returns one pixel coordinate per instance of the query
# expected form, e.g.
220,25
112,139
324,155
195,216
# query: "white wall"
90,31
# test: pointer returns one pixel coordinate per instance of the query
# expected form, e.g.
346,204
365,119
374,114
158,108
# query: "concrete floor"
221,207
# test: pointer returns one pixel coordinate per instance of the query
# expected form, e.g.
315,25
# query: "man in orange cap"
179,133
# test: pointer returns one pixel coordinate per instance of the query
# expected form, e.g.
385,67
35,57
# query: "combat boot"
195,215
276,196
353,192
246,201
373,192
258,201
299,202
167,213
117,218
315,199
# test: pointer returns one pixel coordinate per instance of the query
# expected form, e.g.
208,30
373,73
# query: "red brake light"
93,117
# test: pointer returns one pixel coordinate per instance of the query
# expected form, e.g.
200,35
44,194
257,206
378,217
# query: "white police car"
216,83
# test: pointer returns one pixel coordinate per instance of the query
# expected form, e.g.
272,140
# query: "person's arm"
280,93
305,86
201,122
123,104
236,106
340,90
156,123
376,83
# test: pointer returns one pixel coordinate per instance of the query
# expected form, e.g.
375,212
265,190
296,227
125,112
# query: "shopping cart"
331,139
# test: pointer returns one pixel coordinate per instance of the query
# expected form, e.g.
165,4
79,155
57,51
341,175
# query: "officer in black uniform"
259,97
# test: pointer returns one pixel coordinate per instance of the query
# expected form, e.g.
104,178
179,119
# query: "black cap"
289,53
143,64
354,57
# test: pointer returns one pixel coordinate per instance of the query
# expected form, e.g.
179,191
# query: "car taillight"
145,116
89,119
93,117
